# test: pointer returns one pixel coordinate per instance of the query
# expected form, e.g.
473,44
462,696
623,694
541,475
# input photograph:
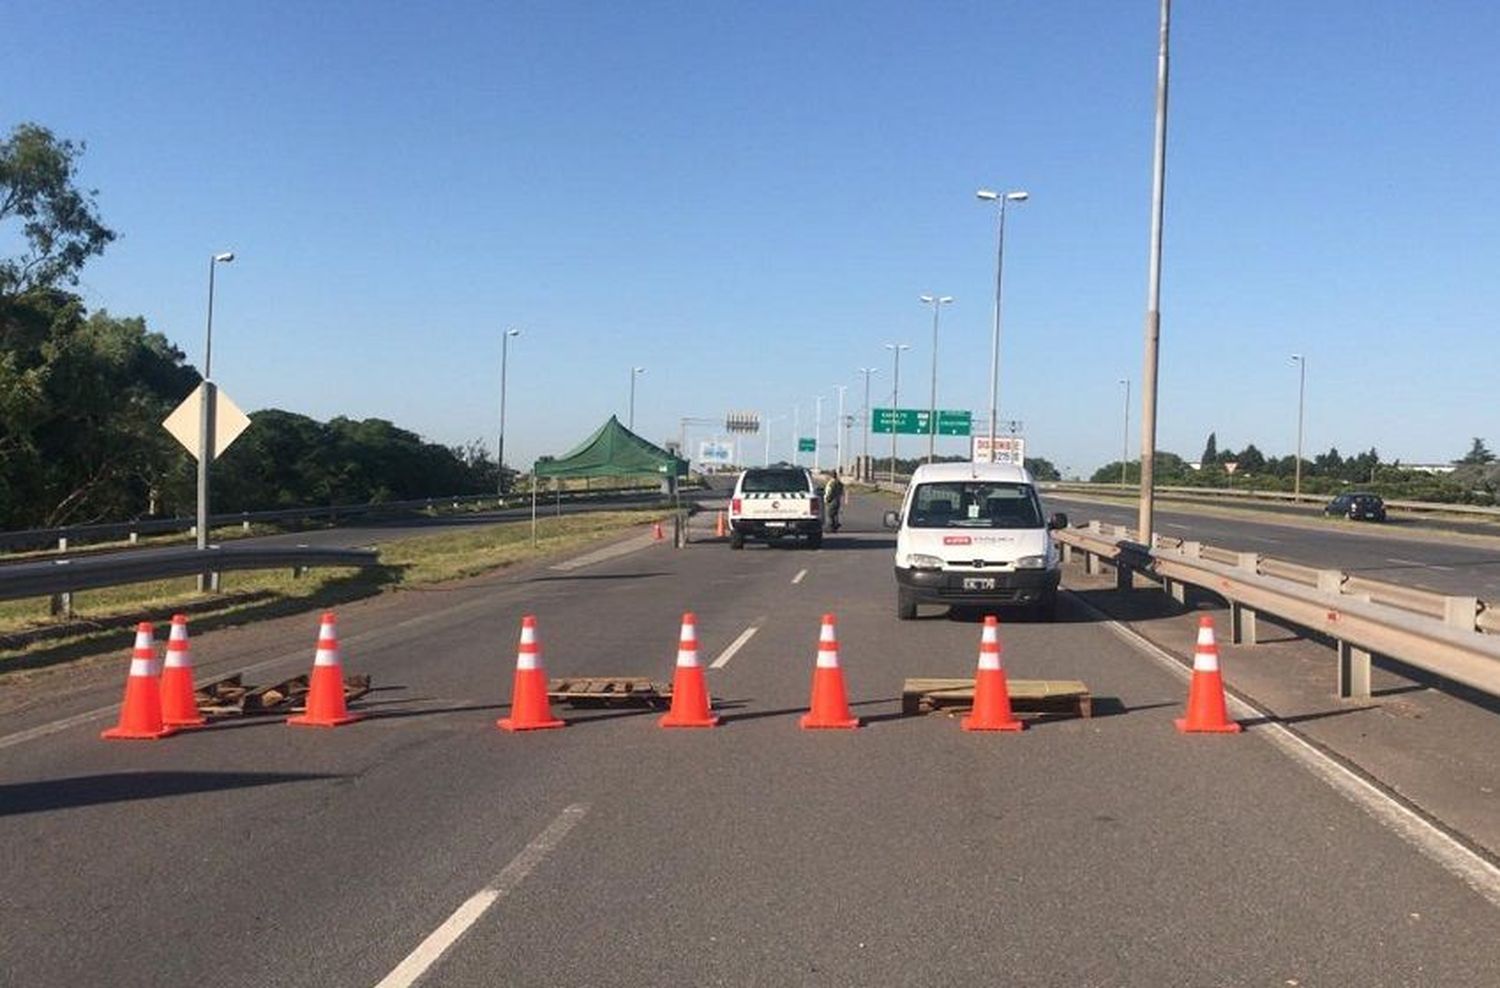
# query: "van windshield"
974,504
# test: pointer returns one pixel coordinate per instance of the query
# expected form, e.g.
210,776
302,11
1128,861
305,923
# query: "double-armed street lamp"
895,349
1001,198
937,302
868,473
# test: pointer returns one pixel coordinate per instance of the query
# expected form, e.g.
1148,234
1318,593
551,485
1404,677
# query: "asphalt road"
1110,851
1456,564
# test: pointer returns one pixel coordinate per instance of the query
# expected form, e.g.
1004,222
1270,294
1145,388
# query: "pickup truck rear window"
774,482
975,504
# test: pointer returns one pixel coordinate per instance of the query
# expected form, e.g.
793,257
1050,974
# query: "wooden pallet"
1027,696
610,691
230,697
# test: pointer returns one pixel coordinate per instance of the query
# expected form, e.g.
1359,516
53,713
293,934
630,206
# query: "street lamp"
500,447
896,349
633,372
1002,199
1125,427
937,302
206,412
1301,362
838,431
818,434
867,473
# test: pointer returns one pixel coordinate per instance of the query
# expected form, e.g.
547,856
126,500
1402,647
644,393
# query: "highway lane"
1101,852
1446,564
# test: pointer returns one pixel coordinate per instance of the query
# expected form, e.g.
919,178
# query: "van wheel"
906,604
736,540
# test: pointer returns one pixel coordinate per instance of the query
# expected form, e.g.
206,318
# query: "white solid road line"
800,574
734,646
1420,565
438,943
1437,844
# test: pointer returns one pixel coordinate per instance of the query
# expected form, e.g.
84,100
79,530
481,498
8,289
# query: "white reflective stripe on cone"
1205,660
989,660
143,667
527,660
1206,635
327,657
177,658
687,658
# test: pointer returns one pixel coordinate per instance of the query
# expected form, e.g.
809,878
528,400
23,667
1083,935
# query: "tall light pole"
206,411
796,435
1301,362
1001,198
768,420
937,302
633,372
817,434
1145,523
868,473
838,431
1125,429
500,447
896,349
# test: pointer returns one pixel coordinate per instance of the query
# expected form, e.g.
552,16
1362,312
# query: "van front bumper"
934,586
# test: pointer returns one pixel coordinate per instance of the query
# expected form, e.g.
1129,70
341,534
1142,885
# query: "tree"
1210,451
59,222
1478,454
1042,469
1252,460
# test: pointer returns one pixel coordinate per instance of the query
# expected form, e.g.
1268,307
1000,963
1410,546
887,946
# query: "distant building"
1429,467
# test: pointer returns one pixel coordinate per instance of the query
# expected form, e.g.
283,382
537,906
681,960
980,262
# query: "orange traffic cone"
140,713
991,691
719,529
1206,707
690,705
325,689
656,532
529,709
179,707
830,703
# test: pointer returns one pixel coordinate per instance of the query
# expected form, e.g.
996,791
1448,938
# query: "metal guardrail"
74,535
1450,636
1238,494
60,578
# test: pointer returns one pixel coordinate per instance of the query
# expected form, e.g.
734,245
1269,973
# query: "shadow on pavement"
92,790
596,576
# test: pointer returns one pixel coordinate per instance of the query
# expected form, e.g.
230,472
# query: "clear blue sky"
748,199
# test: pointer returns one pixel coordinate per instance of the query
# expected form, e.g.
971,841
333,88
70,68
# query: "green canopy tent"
612,451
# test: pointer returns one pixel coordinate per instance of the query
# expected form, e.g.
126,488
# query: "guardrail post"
1461,612
1354,668
1244,624
1067,552
1331,581
1124,576
135,538
1176,588
244,521
1192,550
1091,563
1096,526
1248,561
62,544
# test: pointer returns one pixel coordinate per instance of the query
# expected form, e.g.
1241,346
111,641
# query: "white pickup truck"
774,503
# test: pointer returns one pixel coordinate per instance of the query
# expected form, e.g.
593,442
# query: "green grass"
30,637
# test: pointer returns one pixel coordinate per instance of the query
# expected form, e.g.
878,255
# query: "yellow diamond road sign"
184,423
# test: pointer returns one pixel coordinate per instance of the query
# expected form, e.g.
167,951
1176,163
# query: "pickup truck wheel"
736,540
906,604
815,540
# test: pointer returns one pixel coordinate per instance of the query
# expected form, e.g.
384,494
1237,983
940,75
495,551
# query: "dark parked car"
1357,507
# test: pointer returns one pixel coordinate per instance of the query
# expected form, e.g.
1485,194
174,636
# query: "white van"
974,534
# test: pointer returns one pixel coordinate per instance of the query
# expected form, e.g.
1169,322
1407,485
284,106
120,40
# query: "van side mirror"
1059,520
892,520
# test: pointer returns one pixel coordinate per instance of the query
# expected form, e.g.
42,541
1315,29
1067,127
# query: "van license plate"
776,524
979,583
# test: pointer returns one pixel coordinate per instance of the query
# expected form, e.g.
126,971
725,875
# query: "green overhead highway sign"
807,445
915,421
